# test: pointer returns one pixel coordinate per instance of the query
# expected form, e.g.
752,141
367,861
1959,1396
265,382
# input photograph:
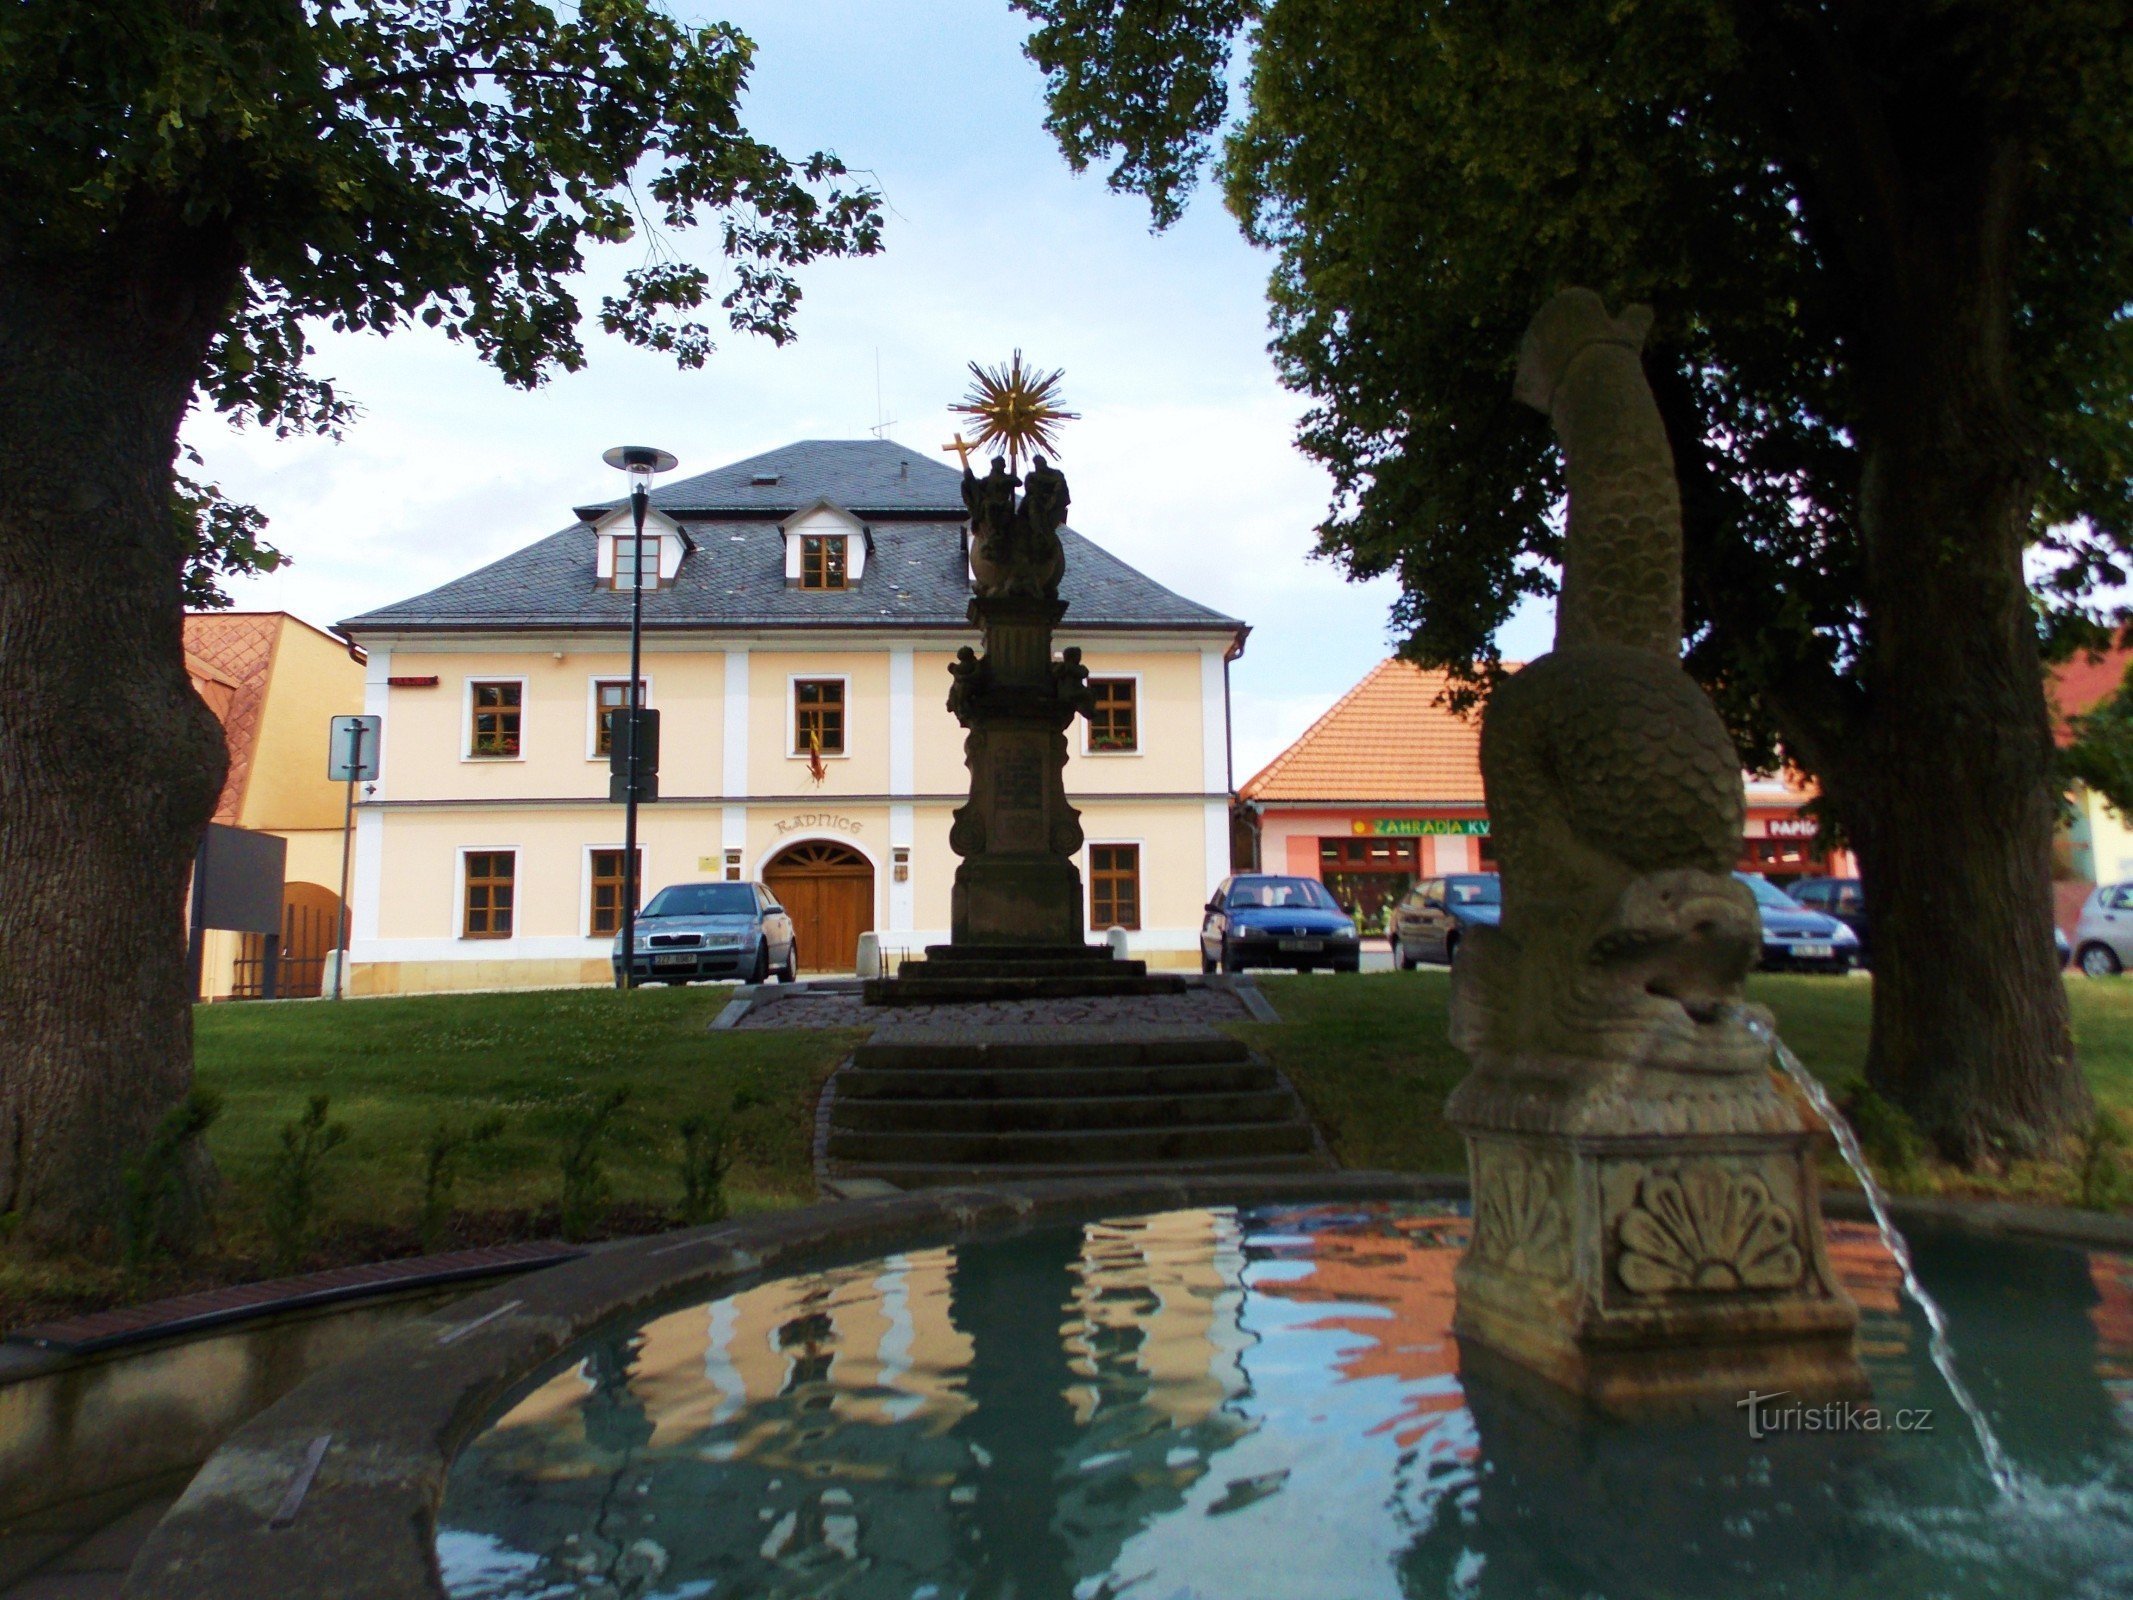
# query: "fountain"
1648,1232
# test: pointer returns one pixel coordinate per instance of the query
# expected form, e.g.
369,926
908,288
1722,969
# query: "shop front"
1380,858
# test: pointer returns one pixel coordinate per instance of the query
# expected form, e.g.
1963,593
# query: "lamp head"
640,461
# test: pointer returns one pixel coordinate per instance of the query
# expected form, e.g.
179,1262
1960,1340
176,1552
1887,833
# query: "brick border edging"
333,1491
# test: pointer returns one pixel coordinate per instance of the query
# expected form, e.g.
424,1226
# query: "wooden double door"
828,891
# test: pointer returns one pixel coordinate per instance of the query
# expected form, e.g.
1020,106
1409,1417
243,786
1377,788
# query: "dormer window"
615,553
826,547
627,565
822,560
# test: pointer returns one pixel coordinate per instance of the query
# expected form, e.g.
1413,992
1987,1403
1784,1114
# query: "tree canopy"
372,164
1427,171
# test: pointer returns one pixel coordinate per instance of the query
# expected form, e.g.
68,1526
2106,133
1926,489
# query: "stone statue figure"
968,676
1647,1230
1015,548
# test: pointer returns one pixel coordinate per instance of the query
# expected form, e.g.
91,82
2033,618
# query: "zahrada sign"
1427,827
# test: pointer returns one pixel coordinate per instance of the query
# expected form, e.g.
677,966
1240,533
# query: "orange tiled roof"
1386,739
238,646
2076,686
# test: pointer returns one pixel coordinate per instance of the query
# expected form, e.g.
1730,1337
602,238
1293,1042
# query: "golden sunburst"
1015,408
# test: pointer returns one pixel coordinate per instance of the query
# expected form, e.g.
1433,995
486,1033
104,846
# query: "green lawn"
394,1069
1370,1058
1368,1054
397,1068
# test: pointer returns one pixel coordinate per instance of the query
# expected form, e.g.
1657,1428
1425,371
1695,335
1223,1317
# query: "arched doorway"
828,889
309,917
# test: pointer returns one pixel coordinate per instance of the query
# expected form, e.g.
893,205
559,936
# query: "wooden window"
607,889
626,558
1370,854
818,712
1114,721
491,876
496,719
822,564
613,694
1114,886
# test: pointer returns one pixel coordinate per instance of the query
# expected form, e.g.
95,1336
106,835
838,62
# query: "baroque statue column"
1017,883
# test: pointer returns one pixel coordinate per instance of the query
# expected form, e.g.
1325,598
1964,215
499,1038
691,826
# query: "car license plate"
683,960
1303,944
1813,952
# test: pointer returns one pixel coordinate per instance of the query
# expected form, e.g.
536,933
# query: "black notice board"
237,880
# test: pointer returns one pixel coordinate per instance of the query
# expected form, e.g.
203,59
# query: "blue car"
1435,914
692,931
1258,920
1796,939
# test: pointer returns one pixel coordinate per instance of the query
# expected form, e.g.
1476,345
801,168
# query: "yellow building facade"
796,644
275,682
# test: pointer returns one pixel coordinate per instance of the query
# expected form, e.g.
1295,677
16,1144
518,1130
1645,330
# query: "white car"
2103,938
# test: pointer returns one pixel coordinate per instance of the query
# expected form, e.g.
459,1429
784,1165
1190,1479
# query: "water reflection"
1209,1403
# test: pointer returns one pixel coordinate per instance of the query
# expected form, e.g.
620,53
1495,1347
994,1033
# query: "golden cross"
961,449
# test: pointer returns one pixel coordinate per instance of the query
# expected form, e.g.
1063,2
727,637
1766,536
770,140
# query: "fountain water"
1997,1461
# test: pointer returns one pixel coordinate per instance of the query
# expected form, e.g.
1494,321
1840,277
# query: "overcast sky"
1183,464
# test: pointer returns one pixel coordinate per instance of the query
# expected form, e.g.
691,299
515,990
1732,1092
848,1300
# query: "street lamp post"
640,462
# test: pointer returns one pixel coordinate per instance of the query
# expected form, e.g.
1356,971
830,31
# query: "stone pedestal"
1017,883
1650,1240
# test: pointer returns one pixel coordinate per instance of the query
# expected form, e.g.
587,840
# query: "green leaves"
1427,172
376,162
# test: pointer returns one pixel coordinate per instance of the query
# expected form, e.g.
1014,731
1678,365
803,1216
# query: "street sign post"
352,749
351,758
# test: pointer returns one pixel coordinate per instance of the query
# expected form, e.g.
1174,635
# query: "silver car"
692,931
2103,938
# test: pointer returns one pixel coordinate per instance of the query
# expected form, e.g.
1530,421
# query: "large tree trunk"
1950,794
109,763
1911,172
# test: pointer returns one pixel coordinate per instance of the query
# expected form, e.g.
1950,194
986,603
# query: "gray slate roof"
735,575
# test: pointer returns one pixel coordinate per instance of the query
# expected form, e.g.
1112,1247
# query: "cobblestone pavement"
800,1008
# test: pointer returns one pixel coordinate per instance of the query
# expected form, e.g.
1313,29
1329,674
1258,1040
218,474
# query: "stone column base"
1020,899
1649,1268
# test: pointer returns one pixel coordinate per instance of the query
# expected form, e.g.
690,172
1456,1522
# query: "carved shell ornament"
1517,1214
1708,1228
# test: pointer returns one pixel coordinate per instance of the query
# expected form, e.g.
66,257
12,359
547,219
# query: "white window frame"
793,681
466,718
592,711
585,886
1140,745
1088,875
459,889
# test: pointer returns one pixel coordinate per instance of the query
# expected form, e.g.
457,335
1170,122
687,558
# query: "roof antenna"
883,422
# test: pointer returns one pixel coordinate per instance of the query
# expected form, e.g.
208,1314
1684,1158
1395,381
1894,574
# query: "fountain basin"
1314,1350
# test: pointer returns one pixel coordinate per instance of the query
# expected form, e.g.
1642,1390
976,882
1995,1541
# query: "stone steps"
906,989
954,974
943,1105
1047,1083
1143,1148
1029,1048
1078,1113
923,1175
